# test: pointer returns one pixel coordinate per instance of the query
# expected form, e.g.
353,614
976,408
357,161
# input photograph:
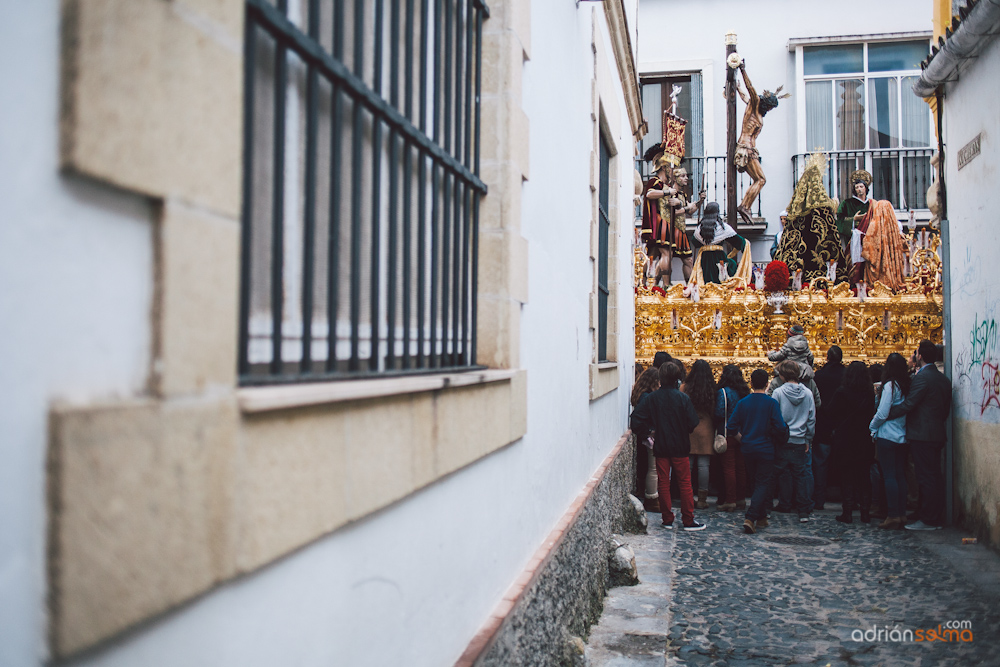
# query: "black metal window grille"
361,188
603,232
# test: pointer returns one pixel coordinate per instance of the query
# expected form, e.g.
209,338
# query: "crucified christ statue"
747,158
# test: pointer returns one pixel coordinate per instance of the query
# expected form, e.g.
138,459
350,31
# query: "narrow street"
796,593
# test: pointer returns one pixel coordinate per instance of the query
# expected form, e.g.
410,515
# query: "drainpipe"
949,457
971,36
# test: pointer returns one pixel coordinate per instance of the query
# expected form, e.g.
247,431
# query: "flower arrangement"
659,290
776,277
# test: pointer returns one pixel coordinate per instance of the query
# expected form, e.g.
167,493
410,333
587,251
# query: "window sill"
603,378
253,400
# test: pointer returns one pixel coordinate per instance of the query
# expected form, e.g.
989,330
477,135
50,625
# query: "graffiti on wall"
968,282
977,363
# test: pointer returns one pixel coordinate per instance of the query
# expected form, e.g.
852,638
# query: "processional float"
738,321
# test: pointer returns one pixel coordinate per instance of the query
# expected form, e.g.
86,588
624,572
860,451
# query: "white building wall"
408,585
973,202
688,35
75,298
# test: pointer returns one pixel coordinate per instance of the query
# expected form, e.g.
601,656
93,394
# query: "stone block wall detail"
561,592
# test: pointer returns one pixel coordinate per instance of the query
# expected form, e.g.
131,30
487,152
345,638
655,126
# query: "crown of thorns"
769,100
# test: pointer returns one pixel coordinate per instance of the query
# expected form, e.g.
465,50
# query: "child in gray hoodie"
796,348
798,409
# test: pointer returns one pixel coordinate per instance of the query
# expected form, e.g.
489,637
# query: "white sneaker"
920,525
695,526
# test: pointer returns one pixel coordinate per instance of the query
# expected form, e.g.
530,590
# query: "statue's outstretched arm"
750,89
743,96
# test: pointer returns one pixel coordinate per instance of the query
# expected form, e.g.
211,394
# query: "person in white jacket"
890,440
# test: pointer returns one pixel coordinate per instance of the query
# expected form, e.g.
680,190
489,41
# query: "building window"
361,188
656,99
706,172
603,234
860,109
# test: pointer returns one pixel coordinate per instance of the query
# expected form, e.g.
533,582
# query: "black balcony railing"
901,176
361,188
709,174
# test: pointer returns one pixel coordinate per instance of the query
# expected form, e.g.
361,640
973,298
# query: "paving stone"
726,598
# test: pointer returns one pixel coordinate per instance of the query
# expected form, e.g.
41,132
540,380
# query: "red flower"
776,276
659,290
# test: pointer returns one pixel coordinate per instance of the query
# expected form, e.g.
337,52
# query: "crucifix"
731,56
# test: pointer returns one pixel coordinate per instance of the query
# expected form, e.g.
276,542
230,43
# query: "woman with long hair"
890,440
648,381
732,387
699,385
851,414
645,462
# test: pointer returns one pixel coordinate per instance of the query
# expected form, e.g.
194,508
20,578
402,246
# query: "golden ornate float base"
731,324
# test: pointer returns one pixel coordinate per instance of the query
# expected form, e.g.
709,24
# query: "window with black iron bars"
361,190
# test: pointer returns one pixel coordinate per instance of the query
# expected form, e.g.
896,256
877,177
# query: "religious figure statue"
747,157
682,209
809,241
712,264
657,232
853,209
664,202
883,250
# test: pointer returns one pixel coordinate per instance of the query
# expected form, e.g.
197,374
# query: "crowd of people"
783,434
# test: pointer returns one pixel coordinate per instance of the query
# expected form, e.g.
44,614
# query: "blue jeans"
892,457
820,465
927,466
790,461
760,473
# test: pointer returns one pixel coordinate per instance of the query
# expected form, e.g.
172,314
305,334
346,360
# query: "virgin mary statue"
810,240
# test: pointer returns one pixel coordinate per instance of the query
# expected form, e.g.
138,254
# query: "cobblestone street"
720,597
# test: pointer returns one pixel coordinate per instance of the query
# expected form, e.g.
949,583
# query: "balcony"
901,176
709,174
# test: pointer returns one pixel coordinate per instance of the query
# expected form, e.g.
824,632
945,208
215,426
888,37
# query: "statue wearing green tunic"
858,203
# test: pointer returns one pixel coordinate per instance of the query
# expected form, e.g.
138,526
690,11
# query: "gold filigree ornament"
733,324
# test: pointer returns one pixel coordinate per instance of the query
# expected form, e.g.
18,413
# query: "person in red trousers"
672,417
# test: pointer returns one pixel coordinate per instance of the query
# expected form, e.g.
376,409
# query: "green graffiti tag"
983,338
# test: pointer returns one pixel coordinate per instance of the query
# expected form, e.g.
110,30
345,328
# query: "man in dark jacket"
672,417
926,408
757,419
828,379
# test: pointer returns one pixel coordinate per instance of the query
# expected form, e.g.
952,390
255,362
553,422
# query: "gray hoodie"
806,377
795,348
798,410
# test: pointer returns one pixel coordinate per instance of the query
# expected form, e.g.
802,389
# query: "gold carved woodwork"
733,324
